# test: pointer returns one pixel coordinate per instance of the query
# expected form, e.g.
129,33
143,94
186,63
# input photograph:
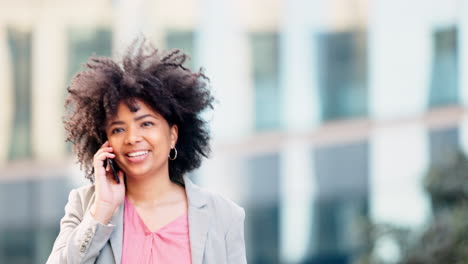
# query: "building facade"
329,112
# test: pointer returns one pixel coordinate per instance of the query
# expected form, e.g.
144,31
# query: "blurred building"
329,111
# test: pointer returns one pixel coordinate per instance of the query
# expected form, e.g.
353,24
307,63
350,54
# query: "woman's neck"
151,191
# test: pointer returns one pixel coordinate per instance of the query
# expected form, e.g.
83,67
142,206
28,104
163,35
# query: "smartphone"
114,167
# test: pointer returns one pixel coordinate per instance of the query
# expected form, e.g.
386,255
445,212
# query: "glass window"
342,75
20,50
183,40
84,43
443,145
17,245
444,76
30,228
265,76
342,175
262,209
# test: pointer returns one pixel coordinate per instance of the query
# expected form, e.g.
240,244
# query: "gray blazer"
216,229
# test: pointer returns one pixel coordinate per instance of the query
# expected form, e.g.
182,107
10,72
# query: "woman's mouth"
137,156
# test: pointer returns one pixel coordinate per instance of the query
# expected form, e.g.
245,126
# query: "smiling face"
141,140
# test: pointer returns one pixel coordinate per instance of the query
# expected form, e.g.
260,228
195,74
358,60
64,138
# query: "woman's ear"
174,134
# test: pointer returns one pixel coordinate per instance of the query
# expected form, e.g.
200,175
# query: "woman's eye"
117,130
147,124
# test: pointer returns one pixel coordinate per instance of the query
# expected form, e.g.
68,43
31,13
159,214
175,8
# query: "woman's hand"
109,193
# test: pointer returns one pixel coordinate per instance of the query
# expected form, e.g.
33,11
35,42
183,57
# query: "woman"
141,122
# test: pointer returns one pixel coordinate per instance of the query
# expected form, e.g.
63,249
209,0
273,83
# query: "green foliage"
445,240
447,184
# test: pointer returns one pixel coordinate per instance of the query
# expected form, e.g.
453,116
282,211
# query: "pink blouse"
169,244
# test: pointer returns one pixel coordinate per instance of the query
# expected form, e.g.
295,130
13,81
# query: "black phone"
114,167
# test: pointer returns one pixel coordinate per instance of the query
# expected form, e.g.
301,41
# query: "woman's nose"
132,136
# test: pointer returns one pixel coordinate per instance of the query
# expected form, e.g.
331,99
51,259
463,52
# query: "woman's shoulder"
85,192
82,196
221,204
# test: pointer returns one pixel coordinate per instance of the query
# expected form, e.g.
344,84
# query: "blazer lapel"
116,238
198,220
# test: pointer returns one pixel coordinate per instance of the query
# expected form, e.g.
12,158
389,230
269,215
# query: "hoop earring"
175,155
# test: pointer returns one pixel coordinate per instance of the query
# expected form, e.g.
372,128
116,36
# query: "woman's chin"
143,170
136,174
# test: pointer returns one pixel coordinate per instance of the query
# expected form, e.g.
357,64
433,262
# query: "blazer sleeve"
81,237
235,244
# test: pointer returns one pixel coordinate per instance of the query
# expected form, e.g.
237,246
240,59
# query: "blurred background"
340,126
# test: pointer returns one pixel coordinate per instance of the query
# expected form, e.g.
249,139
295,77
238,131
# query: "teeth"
138,153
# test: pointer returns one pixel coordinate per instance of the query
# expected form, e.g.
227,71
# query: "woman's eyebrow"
118,122
143,116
